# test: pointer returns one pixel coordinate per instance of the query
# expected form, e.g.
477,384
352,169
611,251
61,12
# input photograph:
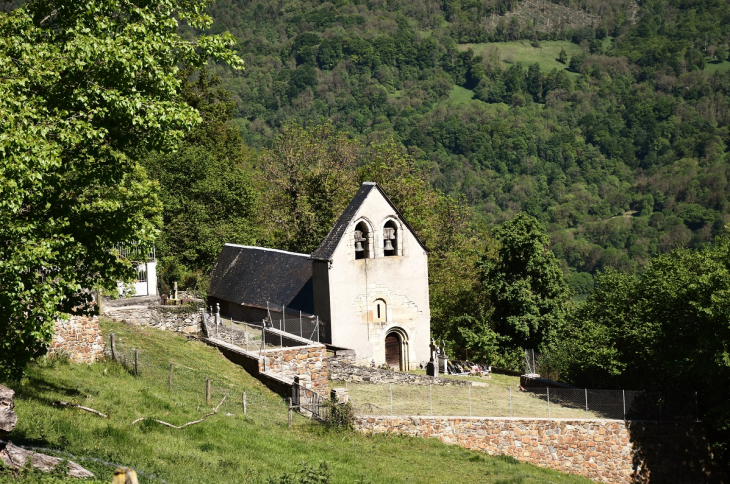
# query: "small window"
390,238
380,312
362,241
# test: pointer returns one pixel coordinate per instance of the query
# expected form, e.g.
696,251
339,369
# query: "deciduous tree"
83,85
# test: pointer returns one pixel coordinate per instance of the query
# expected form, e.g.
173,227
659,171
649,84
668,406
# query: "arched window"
380,311
390,238
362,241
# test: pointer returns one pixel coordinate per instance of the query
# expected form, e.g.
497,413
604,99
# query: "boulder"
8,418
16,457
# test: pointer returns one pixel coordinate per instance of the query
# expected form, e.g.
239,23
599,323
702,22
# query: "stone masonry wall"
602,450
307,361
341,370
79,337
169,318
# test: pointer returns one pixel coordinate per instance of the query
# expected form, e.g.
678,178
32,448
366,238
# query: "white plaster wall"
402,281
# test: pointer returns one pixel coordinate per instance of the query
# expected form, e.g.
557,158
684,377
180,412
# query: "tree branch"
80,407
183,425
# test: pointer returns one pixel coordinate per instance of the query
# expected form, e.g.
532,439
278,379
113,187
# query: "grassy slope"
227,447
521,51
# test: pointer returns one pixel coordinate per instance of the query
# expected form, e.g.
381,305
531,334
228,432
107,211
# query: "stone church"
367,282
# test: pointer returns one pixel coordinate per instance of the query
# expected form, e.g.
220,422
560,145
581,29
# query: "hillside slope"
634,116
227,447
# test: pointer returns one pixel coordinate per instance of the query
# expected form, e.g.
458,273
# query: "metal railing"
294,321
310,401
490,400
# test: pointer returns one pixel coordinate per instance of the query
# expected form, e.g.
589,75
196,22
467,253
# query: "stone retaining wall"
309,361
610,451
79,337
342,370
168,318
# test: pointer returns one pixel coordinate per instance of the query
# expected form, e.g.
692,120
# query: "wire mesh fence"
252,338
294,322
498,401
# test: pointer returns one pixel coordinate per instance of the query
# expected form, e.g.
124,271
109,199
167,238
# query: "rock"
16,458
8,418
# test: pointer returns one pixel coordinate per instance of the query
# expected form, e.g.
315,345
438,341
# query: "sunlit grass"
227,447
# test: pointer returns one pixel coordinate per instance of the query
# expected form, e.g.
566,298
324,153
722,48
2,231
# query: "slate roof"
252,276
327,248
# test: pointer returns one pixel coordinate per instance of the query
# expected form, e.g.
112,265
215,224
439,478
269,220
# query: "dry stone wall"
610,451
79,337
341,370
307,361
168,318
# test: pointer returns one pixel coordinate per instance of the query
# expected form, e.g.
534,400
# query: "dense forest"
621,151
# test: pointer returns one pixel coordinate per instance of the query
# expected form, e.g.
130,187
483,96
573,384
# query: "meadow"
521,51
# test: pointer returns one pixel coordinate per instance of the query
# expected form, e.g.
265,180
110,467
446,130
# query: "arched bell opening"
390,238
396,350
362,241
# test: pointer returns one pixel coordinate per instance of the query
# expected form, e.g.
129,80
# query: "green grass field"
498,396
713,67
228,447
521,51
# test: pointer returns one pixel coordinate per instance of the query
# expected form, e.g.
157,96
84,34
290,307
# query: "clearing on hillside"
520,51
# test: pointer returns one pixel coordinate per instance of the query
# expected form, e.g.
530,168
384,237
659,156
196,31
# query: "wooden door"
392,351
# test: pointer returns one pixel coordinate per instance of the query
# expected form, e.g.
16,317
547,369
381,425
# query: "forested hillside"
607,121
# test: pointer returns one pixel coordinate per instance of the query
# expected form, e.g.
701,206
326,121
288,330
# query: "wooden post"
243,401
169,380
114,349
290,412
136,362
207,391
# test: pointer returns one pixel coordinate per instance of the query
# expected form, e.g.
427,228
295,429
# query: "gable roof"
253,276
327,248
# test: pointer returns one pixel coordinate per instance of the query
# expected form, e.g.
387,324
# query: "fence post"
391,398
217,318
317,329
136,362
113,346
301,332
243,402
169,379
510,401
430,399
548,400
281,334
207,391
231,330
290,413
586,390
623,394
470,400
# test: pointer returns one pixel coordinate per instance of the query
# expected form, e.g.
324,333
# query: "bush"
341,416
307,474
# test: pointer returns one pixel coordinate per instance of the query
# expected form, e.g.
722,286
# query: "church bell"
358,241
388,245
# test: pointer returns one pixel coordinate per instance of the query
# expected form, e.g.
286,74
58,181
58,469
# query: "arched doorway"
392,351
396,350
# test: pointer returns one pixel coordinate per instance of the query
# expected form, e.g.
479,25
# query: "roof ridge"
267,249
